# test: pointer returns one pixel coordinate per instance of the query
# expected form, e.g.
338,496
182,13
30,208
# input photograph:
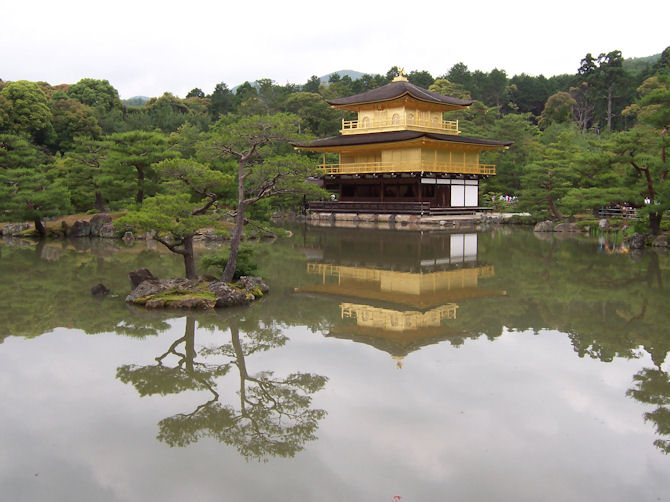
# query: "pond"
435,365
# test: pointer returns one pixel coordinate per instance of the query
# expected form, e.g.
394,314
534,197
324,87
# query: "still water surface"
498,365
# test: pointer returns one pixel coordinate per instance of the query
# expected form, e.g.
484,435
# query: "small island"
193,294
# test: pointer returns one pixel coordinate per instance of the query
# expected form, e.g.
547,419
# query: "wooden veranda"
419,208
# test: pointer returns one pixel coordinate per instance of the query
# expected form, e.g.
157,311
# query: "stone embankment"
634,241
98,225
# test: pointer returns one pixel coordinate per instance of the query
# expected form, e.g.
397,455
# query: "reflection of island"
403,292
273,416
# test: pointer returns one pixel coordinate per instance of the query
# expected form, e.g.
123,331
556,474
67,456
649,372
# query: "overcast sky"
147,47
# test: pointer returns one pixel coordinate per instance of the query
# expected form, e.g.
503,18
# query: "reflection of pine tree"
652,386
274,416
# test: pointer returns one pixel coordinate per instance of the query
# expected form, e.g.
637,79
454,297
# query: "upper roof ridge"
397,89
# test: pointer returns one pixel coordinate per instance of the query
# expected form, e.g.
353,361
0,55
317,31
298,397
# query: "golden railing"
409,167
359,126
375,275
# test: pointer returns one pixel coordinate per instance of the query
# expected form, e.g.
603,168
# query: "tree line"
582,141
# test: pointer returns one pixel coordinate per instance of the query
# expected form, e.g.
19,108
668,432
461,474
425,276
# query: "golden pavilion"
401,156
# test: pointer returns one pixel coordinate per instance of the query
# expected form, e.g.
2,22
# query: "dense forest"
582,141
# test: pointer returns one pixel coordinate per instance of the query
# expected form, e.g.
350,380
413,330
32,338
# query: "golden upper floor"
398,106
399,119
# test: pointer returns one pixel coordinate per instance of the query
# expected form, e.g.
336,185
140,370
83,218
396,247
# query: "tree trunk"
39,227
609,108
189,259
140,185
99,204
229,271
655,222
235,239
552,208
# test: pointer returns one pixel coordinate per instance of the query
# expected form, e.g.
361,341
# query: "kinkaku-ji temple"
401,156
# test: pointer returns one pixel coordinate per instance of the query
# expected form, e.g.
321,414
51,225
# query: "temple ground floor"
410,193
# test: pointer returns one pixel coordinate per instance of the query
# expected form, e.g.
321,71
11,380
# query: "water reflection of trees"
272,416
652,386
47,284
609,305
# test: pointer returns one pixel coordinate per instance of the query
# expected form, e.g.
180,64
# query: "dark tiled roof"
396,90
393,136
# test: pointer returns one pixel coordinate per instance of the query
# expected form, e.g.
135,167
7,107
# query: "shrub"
245,263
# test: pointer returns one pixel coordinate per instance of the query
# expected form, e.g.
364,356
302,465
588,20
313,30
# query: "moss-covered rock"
196,293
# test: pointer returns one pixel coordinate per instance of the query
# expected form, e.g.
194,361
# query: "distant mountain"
352,74
636,65
136,101
253,84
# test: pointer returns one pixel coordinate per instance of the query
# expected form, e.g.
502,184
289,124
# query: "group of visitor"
510,199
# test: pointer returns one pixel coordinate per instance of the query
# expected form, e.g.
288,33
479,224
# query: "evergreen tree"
91,181
29,186
266,166
133,154
24,109
547,179
644,149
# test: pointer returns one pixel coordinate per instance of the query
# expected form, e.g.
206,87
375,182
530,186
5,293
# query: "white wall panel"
457,195
471,199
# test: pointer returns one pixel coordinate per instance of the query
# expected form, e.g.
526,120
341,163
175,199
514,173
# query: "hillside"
636,65
136,101
352,74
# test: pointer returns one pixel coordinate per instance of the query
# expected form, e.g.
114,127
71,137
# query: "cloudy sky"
147,47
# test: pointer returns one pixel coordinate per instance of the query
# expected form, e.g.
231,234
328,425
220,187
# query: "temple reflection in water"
398,293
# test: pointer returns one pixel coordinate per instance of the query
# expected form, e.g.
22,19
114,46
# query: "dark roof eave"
397,136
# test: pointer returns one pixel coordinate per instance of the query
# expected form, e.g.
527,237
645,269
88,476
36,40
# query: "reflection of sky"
520,418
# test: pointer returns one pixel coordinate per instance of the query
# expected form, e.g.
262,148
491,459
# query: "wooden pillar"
420,195
381,191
